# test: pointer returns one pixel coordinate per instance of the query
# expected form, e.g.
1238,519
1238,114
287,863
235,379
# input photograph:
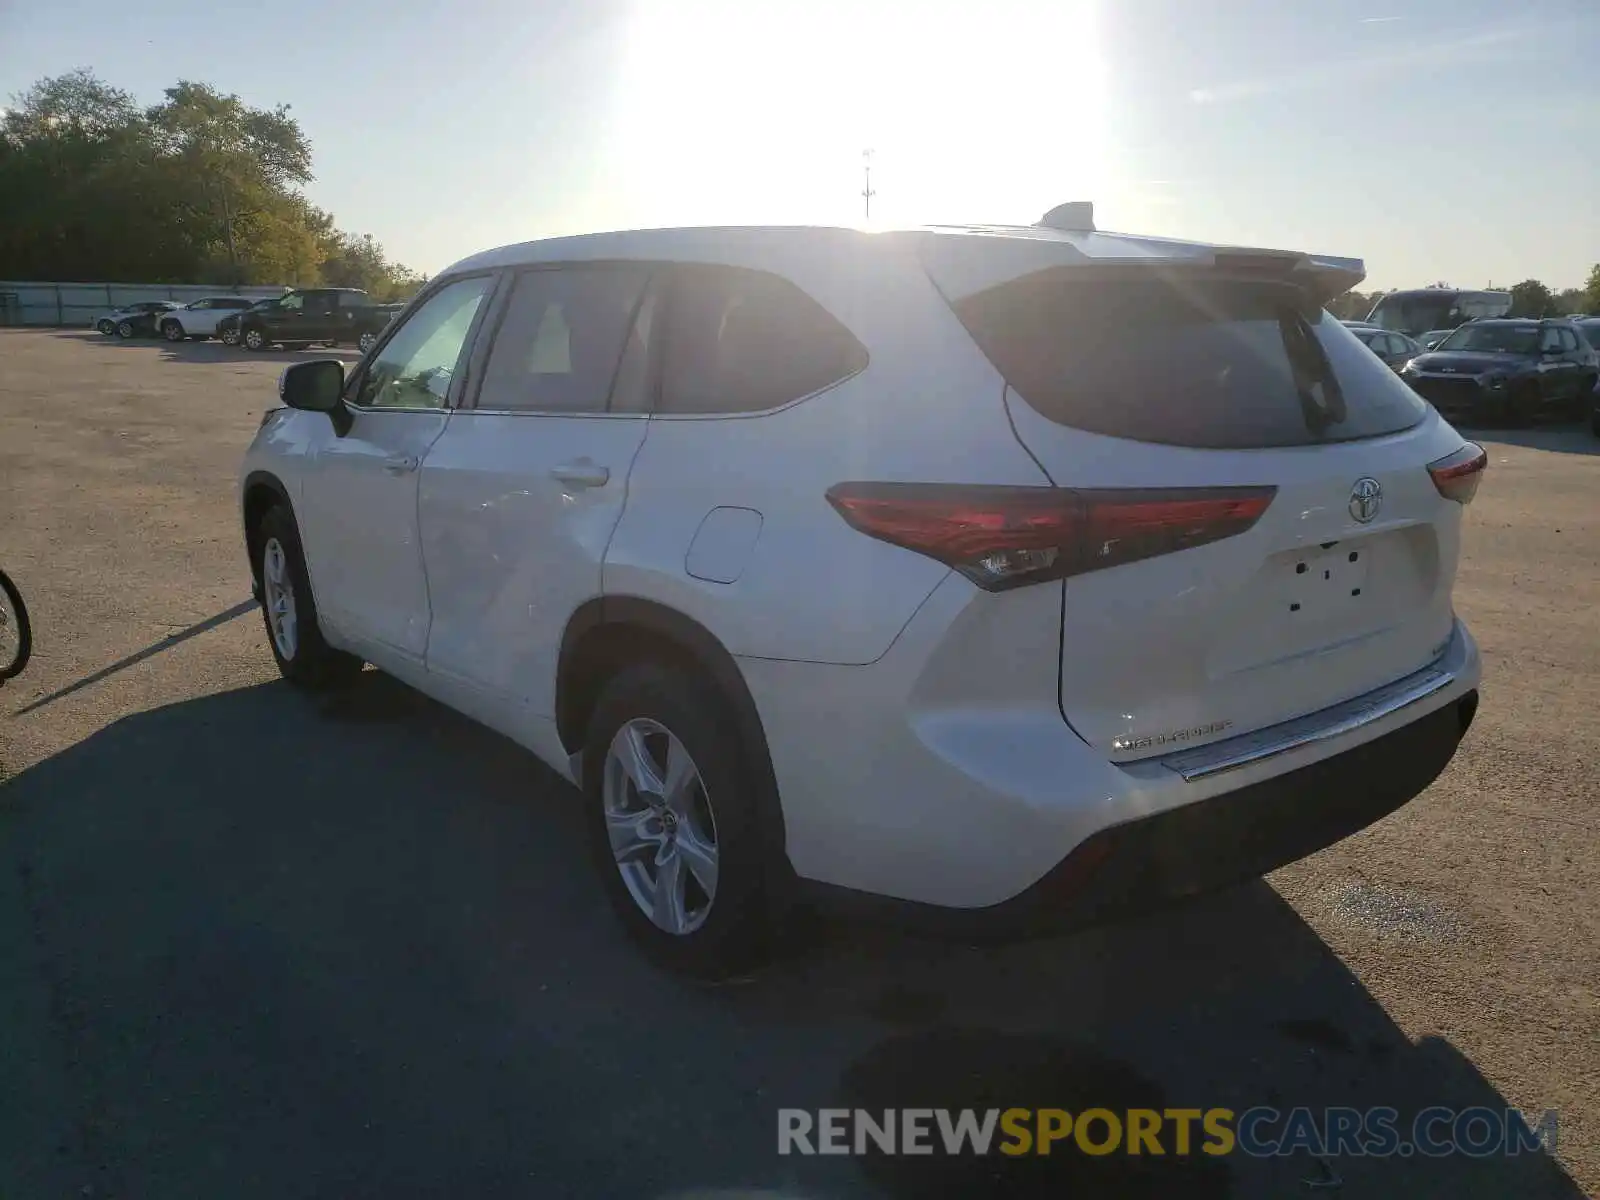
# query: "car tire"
106,326
255,340
172,331
289,611
230,336
717,903
125,329
366,341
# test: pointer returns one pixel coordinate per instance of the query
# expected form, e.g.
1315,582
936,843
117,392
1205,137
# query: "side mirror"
317,386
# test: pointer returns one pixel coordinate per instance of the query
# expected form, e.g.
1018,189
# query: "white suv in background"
198,319
1002,577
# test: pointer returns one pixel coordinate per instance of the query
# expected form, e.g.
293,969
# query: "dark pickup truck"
307,316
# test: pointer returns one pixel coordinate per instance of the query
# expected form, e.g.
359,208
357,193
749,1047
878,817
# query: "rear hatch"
1220,371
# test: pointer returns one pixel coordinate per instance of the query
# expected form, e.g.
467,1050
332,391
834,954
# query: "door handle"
583,473
401,464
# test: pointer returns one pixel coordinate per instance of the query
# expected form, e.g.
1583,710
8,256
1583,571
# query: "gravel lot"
258,946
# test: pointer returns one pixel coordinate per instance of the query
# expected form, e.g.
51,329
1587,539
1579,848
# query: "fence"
70,304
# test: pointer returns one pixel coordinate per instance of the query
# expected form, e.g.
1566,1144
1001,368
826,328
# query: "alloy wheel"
255,340
278,599
173,331
364,342
662,831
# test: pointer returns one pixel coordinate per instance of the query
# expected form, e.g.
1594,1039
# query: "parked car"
1589,327
131,320
1396,349
1433,337
198,319
1594,409
810,616
228,326
326,316
1507,369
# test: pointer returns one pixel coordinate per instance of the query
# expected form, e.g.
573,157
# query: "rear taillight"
1457,475
1004,537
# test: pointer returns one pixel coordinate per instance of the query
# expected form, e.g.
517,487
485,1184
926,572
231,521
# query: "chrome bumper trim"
1229,755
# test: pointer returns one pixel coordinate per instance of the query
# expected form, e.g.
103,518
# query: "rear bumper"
945,776
1212,843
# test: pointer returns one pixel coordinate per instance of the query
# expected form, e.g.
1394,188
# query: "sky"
1439,140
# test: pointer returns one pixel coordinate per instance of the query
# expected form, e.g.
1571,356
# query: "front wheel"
172,331
125,329
672,814
16,635
289,611
255,339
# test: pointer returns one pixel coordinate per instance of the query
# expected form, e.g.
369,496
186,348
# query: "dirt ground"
260,946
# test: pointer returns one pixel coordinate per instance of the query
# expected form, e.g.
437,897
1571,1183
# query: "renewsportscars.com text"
1258,1132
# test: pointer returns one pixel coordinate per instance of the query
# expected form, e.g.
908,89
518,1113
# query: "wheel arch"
608,633
262,490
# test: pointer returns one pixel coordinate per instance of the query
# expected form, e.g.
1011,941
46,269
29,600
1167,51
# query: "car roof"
949,243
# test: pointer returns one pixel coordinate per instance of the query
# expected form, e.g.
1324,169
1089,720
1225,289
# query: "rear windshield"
1186,361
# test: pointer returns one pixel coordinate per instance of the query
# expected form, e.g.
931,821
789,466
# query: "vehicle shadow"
353,947
1561,439
211,350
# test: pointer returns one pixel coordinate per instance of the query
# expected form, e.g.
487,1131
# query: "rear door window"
561,339
744,341
1186,360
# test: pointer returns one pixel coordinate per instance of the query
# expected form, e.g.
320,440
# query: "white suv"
997,576
199,318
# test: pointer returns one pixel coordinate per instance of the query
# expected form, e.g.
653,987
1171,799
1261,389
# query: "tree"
242,158
200,188
1530,298
1591,290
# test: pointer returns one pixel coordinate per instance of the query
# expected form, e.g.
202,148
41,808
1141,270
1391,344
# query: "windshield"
1494,339
1415,314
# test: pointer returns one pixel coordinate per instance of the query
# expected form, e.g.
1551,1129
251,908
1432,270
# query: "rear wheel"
366,341
673,821
290,612
106,326
172,331
230,336
256,339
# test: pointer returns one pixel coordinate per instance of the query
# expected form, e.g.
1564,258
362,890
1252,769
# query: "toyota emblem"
1366,498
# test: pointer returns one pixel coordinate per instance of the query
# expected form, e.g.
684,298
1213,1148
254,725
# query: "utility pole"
867,193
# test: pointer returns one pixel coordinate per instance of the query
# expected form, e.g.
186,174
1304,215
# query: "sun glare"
759,112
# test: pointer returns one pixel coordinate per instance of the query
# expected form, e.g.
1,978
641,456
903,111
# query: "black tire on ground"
124,329
18,658
230,336
106,326
735,935
172,331
255,339
365,341
312,664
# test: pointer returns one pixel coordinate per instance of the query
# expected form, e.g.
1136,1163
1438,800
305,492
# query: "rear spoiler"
967,260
